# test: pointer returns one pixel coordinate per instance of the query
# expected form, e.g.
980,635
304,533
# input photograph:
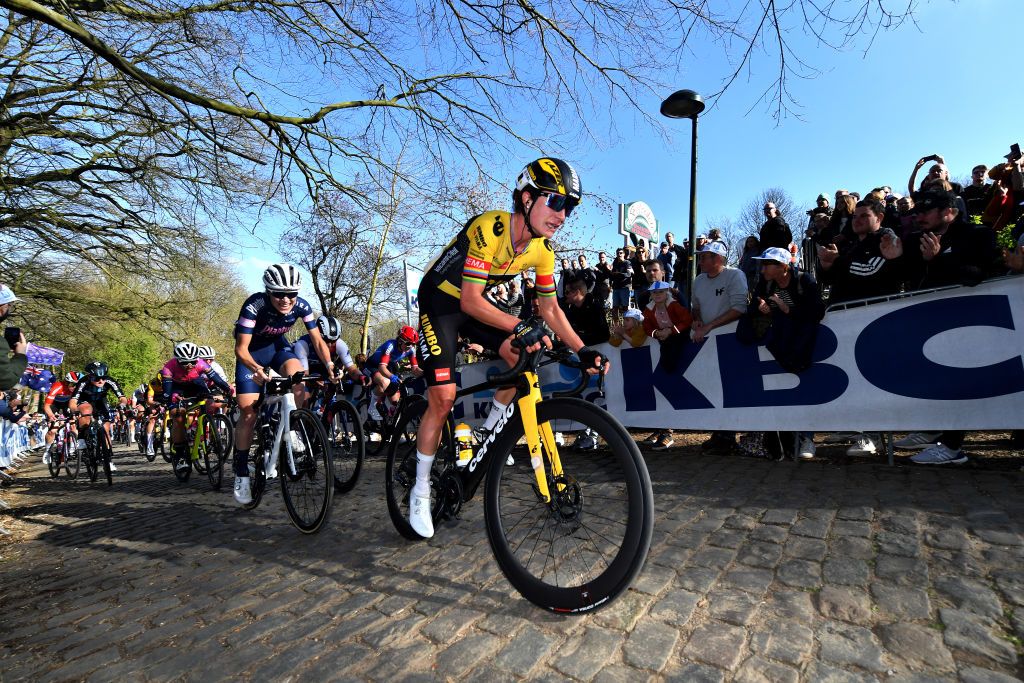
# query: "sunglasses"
558,202
187,363
284,295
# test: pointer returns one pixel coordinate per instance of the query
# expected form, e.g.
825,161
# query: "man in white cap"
719,297
11,367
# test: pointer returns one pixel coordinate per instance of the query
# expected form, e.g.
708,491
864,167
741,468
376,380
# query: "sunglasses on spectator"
558,202
284,295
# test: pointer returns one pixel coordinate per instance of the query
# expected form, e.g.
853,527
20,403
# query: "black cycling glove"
589,357
529,332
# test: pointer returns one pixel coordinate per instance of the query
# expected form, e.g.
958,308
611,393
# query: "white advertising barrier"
952,359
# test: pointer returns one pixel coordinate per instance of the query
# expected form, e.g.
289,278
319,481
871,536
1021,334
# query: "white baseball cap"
776,254
633,313
7,296
715,248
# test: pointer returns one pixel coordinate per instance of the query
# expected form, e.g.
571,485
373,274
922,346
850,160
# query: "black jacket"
967,255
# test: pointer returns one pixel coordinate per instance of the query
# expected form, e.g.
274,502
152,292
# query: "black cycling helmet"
548,174
97,368
330,328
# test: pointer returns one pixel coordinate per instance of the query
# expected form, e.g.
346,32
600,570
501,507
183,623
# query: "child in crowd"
631,329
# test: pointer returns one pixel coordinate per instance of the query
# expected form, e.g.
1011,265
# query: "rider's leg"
243,432
178,427
502,397
440,399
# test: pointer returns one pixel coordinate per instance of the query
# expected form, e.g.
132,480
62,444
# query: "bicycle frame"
528,395
282,405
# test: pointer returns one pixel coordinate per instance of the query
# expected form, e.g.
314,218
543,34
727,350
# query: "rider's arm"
321,349
242,352
556,320
476,306
212,376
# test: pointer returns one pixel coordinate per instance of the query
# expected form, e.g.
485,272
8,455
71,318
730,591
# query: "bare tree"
132,128
752,216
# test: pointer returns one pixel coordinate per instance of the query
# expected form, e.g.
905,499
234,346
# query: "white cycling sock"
423,464
497,408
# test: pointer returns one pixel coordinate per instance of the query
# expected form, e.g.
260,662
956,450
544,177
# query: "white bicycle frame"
283,405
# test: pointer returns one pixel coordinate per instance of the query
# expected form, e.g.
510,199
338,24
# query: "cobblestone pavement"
759,571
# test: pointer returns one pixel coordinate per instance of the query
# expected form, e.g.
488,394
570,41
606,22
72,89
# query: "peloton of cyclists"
90,398
186,376
260,343
56,408
491,248
383,364
208,354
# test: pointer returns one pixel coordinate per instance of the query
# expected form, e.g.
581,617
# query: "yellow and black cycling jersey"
483,252
155,387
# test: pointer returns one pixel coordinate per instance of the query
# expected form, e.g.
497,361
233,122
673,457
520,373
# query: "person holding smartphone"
11,366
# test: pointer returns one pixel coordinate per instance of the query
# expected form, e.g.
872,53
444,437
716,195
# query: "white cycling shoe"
419,514
243,495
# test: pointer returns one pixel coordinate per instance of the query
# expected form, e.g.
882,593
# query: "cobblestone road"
759,572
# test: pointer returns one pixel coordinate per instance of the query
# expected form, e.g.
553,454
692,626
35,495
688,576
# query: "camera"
12,335
1014,152
932,157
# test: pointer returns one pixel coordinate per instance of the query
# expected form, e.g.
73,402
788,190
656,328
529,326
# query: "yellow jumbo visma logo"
429,336
551,167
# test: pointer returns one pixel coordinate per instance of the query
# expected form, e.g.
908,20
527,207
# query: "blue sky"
945,85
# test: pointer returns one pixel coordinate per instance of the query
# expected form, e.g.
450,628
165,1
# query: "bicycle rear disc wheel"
345,435
584,548
308,492
400,467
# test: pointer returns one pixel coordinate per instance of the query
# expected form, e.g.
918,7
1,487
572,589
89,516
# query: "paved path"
759,572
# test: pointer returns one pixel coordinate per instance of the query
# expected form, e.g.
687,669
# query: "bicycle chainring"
449,490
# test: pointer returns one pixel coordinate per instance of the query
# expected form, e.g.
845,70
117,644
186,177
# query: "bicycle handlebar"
560,354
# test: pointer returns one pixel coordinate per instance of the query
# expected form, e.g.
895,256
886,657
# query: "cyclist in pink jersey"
186,376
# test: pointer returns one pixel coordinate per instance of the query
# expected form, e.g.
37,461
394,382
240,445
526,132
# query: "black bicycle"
379,433
98,451
344,429
569,529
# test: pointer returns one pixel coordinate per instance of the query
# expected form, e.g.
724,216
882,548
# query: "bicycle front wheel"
106,453
72,457
56,457
345,435
307,491
160,443
91,458
582,549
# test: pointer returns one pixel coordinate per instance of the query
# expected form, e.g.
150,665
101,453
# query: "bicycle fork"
283,435
538,436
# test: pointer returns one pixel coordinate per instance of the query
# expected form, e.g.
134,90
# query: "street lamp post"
687,104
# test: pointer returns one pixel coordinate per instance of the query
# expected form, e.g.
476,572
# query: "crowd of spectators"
866,246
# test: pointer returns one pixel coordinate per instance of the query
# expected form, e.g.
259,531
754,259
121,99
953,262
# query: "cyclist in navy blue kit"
259,344
382,366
